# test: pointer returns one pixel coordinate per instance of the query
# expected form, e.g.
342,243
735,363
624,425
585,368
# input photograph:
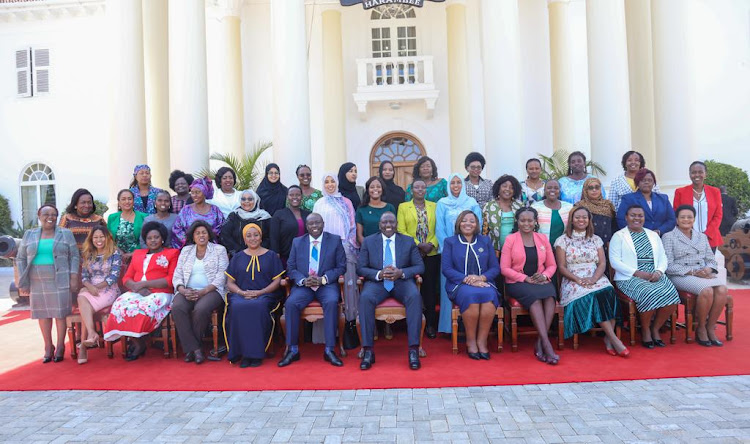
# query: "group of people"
473,241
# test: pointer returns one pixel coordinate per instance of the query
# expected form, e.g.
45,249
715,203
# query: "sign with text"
368,4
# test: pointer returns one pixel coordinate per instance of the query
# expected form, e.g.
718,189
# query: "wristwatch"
324,280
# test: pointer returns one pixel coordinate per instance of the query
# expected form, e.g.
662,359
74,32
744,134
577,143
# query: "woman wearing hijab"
271,191
446,213
393,194
201,191
602,211
249,212
347,179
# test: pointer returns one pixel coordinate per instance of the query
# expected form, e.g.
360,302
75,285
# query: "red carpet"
14,316
440,369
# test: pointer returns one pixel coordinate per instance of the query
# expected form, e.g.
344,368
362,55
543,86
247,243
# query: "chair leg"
632,323
72,340
215,333
454,330
560,330
689,327
513,331
500,328
575,341
342,326
422,353
110,347
165,335
124,346
673,327
729,316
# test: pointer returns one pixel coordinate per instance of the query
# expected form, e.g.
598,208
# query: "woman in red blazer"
707,203
528,264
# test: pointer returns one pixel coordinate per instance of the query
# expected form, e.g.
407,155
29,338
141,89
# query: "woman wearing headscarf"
249,212
348,184
144,192
602,211
271,191
338,218
201,190
393,194
446,213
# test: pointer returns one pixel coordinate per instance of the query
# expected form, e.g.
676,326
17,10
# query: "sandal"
81,352
96,342
538,353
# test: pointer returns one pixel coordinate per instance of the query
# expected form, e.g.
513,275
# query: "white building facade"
90,88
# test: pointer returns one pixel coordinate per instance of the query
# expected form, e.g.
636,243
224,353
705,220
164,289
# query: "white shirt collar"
393,237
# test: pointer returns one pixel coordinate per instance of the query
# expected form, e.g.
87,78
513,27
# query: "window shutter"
23,73
41,70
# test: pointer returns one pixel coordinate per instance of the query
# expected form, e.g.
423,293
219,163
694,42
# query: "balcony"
395,80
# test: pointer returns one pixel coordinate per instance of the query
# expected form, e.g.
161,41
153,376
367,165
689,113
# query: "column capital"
226,8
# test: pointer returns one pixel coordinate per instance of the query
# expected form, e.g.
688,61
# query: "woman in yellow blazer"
416,218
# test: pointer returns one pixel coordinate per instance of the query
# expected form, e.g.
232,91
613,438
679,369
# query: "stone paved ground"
701,410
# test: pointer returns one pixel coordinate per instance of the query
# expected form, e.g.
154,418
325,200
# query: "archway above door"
403,149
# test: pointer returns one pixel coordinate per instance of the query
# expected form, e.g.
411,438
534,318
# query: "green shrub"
6,223
735,179
101,207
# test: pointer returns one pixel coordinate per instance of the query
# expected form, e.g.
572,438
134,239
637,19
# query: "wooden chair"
632,323
314,312
688,301
514,309
456,314
73,323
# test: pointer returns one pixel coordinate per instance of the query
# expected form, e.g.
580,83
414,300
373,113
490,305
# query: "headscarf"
254,263
599,206
251,225
347,188
272,194
206,185
335,211
393,194
463,201
256,213
140,167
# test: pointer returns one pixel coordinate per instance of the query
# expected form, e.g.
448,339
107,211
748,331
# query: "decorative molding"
49,9
225,8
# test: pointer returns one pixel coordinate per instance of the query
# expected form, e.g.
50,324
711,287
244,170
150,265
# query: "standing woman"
659,215
368,214
571,186
228,198
528,264
426,170
446,214
288,223
143,192
498,215
707,203
164,215
249,212
476,187
125,225
48,262
254,276
79,216
271,192
602,211
338,218
180,182
348,184
393,194
201,191
552,213
310,195
632,162
533,186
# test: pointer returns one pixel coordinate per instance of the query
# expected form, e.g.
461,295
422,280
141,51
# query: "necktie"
314,261
388,260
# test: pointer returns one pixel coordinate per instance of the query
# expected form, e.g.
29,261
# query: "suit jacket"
684,196
283,229
623,258
65,250
730,211
370,261
161,265
685,255
513,258
407,222
215,263
659,217
455,256
331,261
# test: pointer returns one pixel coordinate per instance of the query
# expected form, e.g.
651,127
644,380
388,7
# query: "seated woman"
249,212
100,272
638,258
254,276
602,211
692,267
288,223
199,281
200,191
586,293
140,310
658,212
528,263
470,268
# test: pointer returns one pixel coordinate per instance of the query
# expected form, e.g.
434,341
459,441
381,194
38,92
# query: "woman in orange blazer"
707,203
528,264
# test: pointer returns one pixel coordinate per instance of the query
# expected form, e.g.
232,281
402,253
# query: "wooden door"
402,149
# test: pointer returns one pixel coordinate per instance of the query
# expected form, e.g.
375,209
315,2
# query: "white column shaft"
232,123
333,92
458,86
156,66
561,67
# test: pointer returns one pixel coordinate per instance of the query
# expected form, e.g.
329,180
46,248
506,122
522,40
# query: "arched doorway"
401,148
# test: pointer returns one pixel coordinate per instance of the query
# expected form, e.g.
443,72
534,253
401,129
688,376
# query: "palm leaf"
556,165
248,168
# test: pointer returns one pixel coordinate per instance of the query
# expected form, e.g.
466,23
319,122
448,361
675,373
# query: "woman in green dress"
125,225
498,215
310,195
368,214
553,212
426,170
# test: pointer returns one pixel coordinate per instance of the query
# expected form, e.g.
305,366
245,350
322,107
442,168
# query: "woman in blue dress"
470,269
254,275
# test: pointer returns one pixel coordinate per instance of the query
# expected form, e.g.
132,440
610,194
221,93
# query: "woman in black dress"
248,212
288,223
392,194
271,192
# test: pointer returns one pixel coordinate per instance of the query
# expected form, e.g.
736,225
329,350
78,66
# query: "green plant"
101,207
735,179
6,223
248,169
556,165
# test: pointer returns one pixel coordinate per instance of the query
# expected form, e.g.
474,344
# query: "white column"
156,66
673,91
609,92
188,101
458,86
232,124
561,67
501,62
291,101
334,117
127,142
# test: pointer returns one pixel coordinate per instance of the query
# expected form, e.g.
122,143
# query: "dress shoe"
330,356
189,357
256,362
430,332
716,343
288,358
200,358
48,357
245,363
484,355
624,353
368,359
659,343
703,343
414,363
474,356
648,344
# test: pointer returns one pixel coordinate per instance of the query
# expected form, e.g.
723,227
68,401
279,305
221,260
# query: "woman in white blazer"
638,258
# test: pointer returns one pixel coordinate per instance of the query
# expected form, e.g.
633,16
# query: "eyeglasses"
475,167
247,199
273,173
594,187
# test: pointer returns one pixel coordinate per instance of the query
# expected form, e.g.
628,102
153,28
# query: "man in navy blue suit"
315,263
389,261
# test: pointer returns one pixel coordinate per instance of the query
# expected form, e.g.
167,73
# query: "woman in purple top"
200,191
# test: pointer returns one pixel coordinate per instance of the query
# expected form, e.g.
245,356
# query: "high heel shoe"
48,357
96,342
82,351
624,353
136,353
474,356
703,343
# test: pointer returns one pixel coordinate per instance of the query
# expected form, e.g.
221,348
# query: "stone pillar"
188,100
334,118
609,93
291,101
156,65
232,125
127,144
561,67
458,86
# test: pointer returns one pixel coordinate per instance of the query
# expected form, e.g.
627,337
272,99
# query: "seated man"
315,263
389,261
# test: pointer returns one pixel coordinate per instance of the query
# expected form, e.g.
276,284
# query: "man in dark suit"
389,261
315,263
730,211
